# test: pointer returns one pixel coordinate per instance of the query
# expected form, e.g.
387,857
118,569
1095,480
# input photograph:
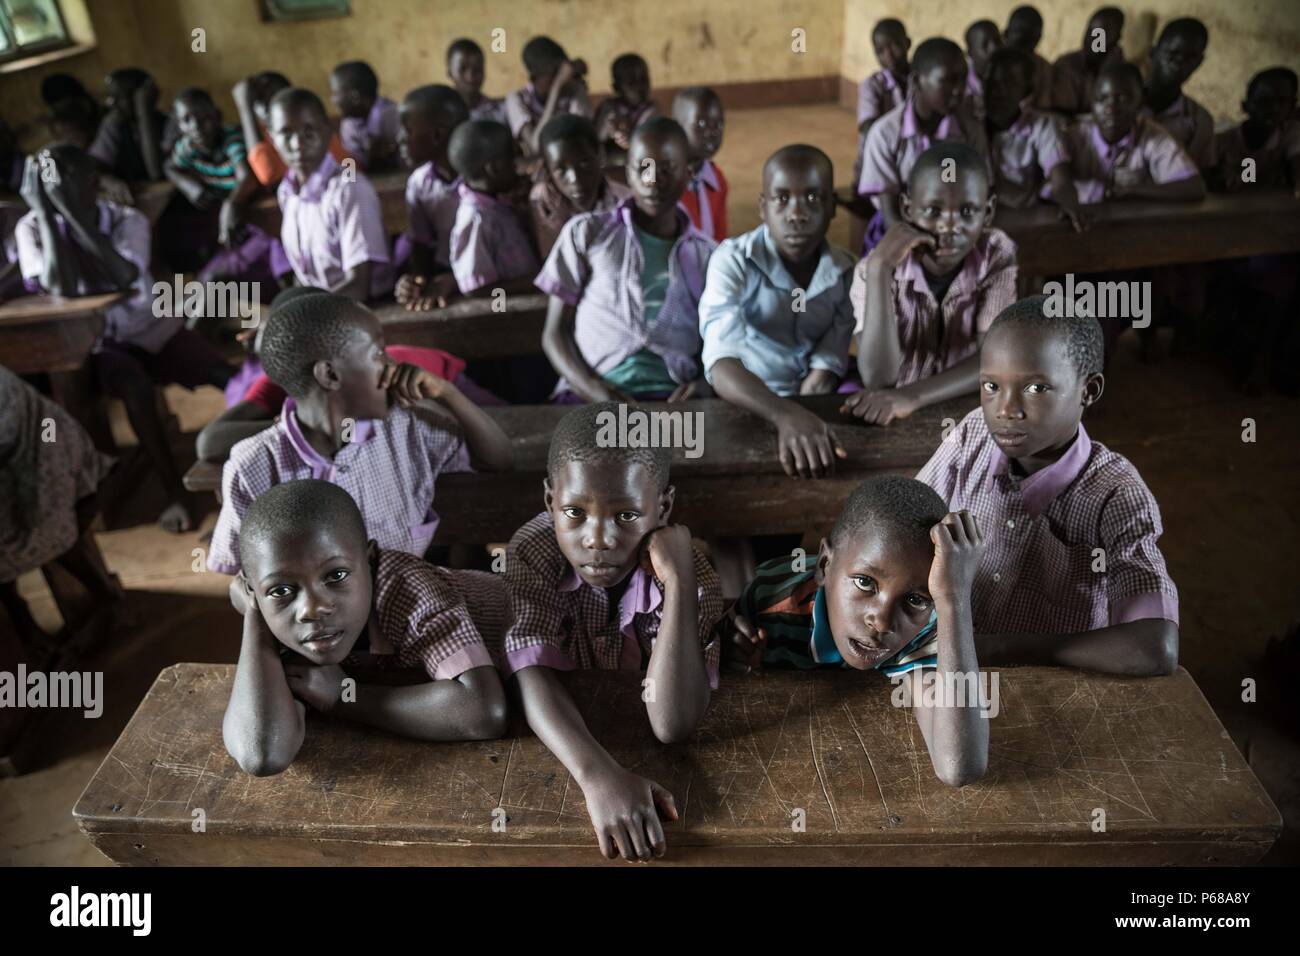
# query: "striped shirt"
489,242
217,168
431,204
936,336
790,606
443,621
560,621
1023,157
389,468
1070,548
895,142
1146,154
596,266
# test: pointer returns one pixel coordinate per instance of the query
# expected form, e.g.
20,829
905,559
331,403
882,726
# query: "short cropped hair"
1117,69
936,51
965,159
576,438
980,25
1027,15
438,101
358,75
465,47
61,86
1109,13
267,83
195,96
625,62
1273,74
475,143
1189,27
130,78
661,128
287,509
285,296
1013,58
568,128
542,55
700,94
901,510
295,97
797,152
1081,334
889,25
310,329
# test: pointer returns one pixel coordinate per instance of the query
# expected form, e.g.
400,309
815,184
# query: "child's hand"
229,224
32,191
1079,218
819,381
880,406
743,647
958,546
698,388
422,294
624,811
668,553
317,685
409,384
805,444
899,241
563,74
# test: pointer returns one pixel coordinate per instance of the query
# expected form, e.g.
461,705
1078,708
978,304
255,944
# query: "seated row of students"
917,576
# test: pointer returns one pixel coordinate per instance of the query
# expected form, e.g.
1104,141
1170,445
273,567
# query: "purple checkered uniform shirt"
1024,156
895,142
489,242
382,124
389,468
1041,531
1191,124
561,622
431,204
1148,154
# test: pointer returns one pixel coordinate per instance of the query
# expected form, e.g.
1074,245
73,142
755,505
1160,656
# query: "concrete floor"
1232,541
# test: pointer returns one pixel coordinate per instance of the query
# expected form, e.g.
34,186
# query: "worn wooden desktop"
774,749
470,328
736,486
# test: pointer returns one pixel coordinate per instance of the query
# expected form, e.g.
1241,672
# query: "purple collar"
623,213
890,81
475,197
375,118
973,84
1043,487
911,125
319,464
314,187
707,176
641,596
1108,151
430,171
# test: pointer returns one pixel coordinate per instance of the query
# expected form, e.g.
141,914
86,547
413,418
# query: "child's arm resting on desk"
264,726
956,732
561,348
1142,648
489,446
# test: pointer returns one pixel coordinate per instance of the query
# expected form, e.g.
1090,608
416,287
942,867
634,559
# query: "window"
303,9
28,27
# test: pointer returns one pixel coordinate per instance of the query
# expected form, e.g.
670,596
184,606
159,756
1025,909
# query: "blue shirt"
748,312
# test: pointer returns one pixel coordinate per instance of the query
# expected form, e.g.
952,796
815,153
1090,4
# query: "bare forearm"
489,446
150,149
678,680
1142,648
1185,190
439,710
889,211
561,348
961,379
356,284
1063,191
879,352
959,745
738,385
264,725
551,714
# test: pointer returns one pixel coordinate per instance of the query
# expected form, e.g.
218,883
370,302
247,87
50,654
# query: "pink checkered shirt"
935,336
596,265
1148,154
389,468
1271,158
1040,532
877,95
489,242
1191,124
561,622
431,204
444,621
1024,156
895,142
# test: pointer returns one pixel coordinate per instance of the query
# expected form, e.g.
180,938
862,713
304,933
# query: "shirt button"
1010,523
997,576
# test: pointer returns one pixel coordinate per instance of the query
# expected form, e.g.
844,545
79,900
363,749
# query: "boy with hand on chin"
1071,574
601,580
890,591
775,314
320,602
927,294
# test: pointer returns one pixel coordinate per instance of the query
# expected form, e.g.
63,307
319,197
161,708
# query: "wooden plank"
391,187
42,333
1149,752
735,487
469,328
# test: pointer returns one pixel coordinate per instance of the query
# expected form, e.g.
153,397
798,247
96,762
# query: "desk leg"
76,392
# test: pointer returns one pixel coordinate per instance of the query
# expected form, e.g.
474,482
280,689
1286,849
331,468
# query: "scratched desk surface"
1148,752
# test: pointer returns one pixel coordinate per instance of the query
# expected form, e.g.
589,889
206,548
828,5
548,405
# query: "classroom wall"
1245,35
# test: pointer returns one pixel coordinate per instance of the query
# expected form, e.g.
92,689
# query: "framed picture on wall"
304,9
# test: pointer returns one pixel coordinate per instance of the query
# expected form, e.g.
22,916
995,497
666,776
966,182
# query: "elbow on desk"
963,772
1163,652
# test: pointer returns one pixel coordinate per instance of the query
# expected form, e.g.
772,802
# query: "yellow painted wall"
1245,35
684,41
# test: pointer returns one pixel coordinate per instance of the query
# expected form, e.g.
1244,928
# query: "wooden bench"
1150,753
469,328
1130,235
736,487
391,187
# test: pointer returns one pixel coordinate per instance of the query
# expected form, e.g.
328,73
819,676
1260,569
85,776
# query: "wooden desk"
46,333
736,487
390,186
468,328
1149,752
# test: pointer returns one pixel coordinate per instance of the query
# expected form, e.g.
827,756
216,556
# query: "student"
429,116
762,342
72,243
573,180
490,243
327,352
332,229
935,109
556,85
321,602
252,98
1269,138
1024,30
982,39
133,135
1026,147
74,115
1175,57
1117,153
629,107
699,111
623,321
890,591
1071,572
887,87
925,296
465,70
601,580
370,124
1074,74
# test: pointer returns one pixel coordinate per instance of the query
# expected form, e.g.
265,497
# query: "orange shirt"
269,168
